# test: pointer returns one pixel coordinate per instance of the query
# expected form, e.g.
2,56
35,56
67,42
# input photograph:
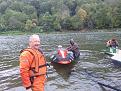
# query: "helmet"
59,46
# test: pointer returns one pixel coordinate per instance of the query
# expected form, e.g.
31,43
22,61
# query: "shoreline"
17,32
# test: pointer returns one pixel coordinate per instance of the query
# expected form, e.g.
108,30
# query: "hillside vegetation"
59,15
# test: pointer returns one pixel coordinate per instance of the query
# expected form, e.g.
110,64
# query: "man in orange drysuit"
33,66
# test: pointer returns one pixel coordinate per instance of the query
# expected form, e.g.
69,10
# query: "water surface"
93,64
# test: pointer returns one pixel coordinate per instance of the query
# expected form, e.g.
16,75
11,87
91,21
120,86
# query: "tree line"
59,15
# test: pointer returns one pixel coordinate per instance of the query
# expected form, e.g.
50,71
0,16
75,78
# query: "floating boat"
116,59
111,51
62,57
115,55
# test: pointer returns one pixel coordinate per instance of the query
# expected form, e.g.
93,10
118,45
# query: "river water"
92,66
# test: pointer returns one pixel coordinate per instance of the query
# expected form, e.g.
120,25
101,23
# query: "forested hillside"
59,15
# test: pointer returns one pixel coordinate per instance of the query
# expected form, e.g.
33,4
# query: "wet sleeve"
69,48
24,69
75,46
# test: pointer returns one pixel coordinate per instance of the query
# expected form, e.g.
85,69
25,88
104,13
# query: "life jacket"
38,65
62,53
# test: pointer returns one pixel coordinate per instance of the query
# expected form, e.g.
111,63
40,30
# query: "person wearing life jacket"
64,53
112,43
74,48
33,66
61,52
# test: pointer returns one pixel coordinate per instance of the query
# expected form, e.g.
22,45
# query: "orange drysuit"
33,69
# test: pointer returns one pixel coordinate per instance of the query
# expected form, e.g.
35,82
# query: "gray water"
71,77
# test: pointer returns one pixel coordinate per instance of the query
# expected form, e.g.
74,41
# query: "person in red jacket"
33,66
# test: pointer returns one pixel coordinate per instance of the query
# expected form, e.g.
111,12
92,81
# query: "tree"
72,23
72,5
50,22
82,14
15,20
28,25
3,6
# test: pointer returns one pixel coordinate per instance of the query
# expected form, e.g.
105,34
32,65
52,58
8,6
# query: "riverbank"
17,32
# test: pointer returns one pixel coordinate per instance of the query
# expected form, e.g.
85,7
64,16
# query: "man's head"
34,41
59,46
72,42
113,39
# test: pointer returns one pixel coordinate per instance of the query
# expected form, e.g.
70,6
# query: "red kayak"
62,56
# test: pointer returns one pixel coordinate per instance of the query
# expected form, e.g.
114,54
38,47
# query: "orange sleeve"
25,60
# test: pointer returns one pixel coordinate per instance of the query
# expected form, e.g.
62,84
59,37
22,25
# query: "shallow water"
93,64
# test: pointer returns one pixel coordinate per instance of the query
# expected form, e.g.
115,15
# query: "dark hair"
71,41
113,39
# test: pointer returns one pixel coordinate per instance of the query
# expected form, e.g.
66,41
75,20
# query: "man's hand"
29,89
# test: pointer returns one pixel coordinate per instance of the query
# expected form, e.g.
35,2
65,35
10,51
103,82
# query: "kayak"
63,58
110,54
116,59
111,51
115,55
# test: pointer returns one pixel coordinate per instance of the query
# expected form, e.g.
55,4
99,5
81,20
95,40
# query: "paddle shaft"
109,86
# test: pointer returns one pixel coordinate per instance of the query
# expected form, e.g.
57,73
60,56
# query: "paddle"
102,84
108,86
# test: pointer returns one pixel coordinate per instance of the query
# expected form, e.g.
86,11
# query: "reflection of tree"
63,70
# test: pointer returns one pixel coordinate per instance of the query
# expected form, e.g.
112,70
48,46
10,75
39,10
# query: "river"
92,66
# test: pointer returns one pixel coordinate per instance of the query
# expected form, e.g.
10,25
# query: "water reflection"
64,71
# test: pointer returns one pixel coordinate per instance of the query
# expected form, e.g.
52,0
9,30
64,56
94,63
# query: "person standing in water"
33,66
